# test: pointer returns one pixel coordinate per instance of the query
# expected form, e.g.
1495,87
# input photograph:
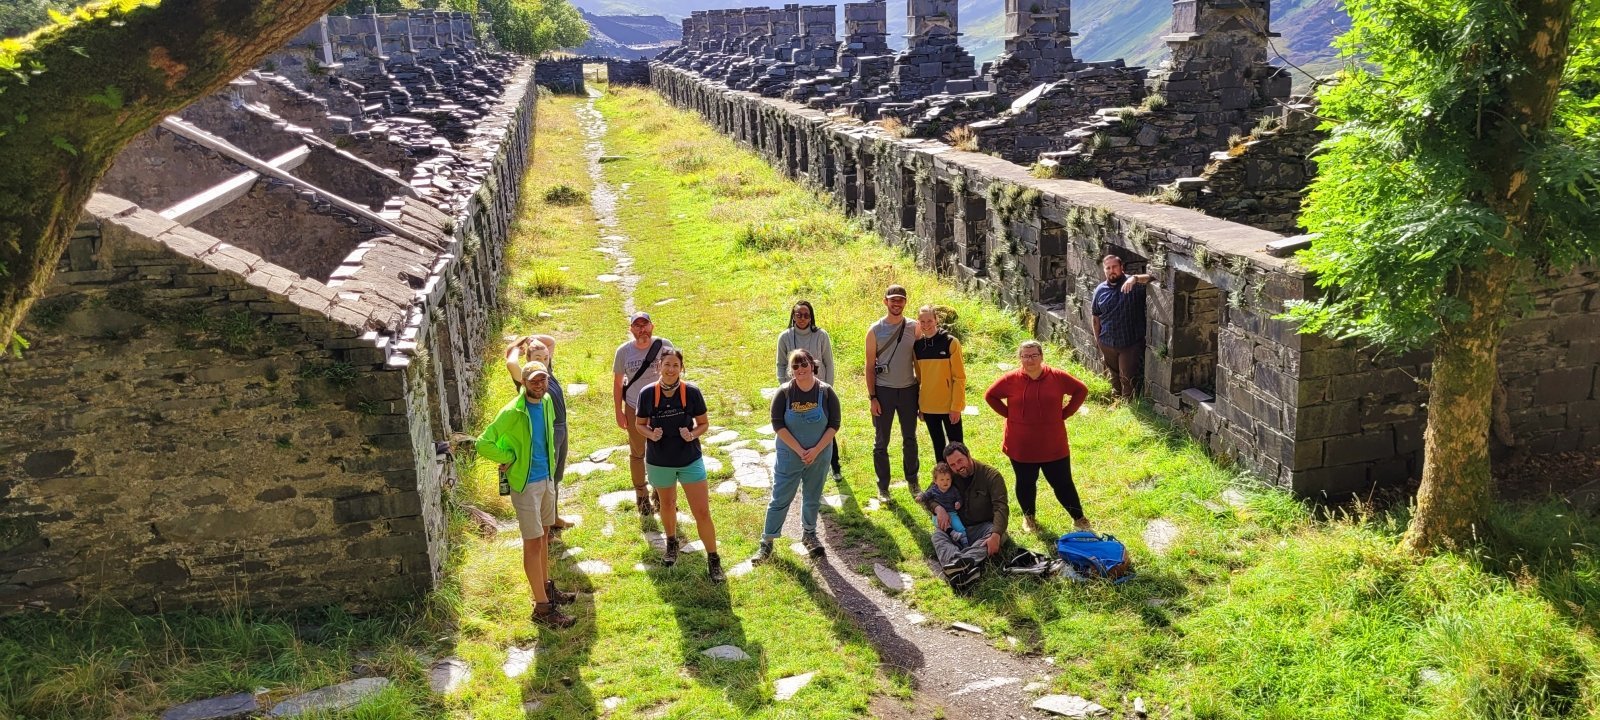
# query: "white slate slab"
726,652
726,436
518,660
785,688
766,429
575,389
613,500
1070,706
583,467
834,501
985,684
967,627
594,567
727,487
448,675
742,569
1159,536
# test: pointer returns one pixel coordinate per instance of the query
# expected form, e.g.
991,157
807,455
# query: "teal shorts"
665,477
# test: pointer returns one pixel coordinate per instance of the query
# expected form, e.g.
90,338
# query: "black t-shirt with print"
669,414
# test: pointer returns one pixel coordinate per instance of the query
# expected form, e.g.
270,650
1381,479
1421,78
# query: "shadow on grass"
562,654
705,617
853,611
1553,545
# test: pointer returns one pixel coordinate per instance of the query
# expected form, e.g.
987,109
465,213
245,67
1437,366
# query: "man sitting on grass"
985,507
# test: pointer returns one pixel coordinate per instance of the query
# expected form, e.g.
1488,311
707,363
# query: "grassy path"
1260,610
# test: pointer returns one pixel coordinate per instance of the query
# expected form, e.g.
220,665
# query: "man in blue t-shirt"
1119,324
522,440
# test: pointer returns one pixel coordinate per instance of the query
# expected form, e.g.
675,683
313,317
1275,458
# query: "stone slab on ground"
785,688
613,500
712,464
575,389
726,436
343,696
743,568
227,707
1070,706
967,627
985,684
727,487
594,567
726,652
605,452
447,675
891,579
518,660
1235,497
584,467
834,501
1159,535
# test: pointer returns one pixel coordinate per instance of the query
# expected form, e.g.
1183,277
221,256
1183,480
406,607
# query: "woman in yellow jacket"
942,379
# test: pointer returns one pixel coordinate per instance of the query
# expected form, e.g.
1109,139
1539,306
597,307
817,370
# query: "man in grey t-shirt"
625,385
891,366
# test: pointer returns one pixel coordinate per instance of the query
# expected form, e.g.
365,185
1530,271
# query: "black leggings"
938,424
1056,472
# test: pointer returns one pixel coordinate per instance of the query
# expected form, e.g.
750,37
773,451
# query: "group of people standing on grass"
914,370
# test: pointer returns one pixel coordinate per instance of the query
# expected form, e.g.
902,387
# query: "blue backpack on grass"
1091,555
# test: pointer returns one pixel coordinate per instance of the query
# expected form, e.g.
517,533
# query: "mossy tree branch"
73,94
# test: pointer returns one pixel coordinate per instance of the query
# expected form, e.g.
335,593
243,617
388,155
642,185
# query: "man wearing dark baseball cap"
637,364
891,367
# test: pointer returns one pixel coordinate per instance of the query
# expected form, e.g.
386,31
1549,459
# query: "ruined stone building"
1198,168
272,310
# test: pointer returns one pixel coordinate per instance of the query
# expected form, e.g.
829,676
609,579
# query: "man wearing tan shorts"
637,365
522,440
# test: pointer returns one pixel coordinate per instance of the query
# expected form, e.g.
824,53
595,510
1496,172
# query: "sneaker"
1082,525
883,495
763,552
916,488
547,615
1029,525
813,545
954,567
714,568
558,597
966,578
671,555
643,501
838,476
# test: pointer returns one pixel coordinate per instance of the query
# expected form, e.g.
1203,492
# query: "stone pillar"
783,26
818,25
1219,57
422,31
927,20
1038,46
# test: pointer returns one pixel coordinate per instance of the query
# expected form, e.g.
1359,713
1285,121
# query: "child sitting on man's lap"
945,495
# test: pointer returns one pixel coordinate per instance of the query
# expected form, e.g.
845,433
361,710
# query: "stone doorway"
1196,314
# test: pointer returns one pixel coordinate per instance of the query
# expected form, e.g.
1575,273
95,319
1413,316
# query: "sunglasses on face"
802,315
799,364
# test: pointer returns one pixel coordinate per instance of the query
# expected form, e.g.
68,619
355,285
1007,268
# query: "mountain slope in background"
628,36
1107,29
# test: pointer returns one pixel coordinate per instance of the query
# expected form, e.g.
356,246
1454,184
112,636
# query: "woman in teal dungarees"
805,414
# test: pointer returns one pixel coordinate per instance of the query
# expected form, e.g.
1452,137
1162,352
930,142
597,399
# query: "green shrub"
564,194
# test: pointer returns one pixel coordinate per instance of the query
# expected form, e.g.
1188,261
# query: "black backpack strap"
649,357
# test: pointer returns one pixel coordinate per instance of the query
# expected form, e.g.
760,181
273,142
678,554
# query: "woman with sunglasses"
805,414
804,333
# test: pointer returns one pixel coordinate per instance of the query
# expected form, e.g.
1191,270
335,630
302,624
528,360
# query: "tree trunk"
1453,501
86,88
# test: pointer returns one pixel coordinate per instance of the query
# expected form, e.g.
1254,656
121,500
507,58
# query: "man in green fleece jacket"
522,440
985,511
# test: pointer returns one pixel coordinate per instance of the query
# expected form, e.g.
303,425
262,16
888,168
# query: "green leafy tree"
74,93
530,27
1466,161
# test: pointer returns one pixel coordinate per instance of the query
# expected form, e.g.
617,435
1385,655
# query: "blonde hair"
1035,344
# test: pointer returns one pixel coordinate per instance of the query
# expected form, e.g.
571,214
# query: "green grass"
1275,610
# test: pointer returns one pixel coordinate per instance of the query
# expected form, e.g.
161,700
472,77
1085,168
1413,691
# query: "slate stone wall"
560,76
1301,411
203,427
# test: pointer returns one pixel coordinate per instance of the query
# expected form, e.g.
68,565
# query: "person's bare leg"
669,510
700,505
533,565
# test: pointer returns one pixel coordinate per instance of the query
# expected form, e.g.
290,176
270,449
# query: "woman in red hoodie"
1036,401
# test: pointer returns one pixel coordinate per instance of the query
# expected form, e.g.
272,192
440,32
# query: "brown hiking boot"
547,615
558,597
670,556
